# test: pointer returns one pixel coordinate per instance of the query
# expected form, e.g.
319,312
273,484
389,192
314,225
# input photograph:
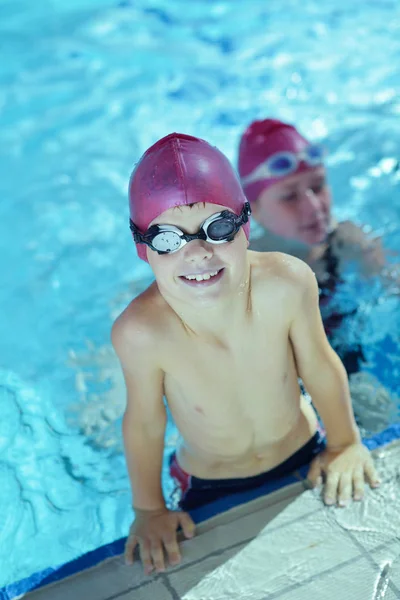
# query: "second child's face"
200,271
297,208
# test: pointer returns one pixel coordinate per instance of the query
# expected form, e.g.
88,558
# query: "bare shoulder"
282,284
281,271
347,226
352,242
139,325
348,233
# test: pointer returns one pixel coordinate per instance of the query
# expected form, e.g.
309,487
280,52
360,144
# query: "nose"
197,251
311,202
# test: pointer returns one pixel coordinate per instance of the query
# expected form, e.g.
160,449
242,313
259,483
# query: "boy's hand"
155,531
344,470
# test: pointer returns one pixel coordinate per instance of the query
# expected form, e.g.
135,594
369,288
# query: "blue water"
85,87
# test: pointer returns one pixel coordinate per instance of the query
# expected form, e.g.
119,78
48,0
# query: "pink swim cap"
261,140
179,170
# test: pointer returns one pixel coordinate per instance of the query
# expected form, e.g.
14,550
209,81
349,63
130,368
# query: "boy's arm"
318,364
346,461
145,416
154,529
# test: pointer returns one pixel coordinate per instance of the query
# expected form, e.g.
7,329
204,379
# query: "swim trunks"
196,492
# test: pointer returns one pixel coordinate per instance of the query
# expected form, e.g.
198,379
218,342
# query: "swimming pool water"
85,87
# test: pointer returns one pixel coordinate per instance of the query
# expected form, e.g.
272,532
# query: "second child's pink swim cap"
259,142
179,170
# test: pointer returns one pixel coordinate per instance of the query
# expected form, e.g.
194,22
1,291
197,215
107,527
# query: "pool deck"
286,545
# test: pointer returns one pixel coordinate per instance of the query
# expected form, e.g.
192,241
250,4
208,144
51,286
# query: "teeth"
203,277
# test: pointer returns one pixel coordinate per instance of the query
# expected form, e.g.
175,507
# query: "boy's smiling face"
200,270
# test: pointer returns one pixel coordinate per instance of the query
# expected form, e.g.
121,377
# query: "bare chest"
220,389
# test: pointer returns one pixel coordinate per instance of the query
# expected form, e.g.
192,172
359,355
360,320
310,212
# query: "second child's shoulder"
281,273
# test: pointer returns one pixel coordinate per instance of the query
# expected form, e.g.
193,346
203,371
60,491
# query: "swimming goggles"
217,229
281,164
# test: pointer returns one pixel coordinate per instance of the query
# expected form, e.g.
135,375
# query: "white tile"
391,555
187,578
156,590
356,581
276,560
247,525
98,583
375,520
300,507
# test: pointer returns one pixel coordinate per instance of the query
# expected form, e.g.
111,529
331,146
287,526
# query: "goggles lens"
282,163
314,155
220,229
166,241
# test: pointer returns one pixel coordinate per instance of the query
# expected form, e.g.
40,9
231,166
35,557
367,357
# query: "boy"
224,333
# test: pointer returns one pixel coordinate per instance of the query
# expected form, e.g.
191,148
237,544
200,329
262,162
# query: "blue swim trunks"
196,492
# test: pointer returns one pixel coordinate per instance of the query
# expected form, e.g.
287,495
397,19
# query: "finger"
172,548
130,546
331,488
372,474
157,556
358,484
187,524
145,556
345,488
314,474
